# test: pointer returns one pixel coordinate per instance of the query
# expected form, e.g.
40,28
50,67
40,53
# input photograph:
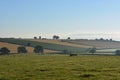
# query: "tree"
40,37
56,37
111,40
4,50
68,38
21,49
28,44
35,37
38,49
117,52
101,39
92,50
96,39
107,40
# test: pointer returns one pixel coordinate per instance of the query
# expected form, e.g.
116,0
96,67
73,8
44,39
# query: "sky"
77,19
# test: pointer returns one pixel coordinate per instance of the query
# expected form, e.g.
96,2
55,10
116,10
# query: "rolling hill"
75,46
13,48
98,44
50,46
60,42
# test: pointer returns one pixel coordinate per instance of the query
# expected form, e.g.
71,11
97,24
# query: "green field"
106,51
59,67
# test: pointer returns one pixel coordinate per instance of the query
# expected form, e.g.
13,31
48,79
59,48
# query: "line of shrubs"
21,49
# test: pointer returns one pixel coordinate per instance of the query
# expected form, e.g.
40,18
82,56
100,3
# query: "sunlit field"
59,67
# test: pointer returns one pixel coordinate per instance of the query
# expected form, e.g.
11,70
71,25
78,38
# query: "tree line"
21,49
55,37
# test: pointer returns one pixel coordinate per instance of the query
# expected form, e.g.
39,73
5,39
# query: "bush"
117,52
28,44
38,49
92,50
21,49
73,54
4,50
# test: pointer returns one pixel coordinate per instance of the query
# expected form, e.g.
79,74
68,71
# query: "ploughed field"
59,67
13,48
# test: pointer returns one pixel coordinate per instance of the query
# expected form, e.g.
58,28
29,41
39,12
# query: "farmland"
98,44
50,46
74,46
59,67
13,48
60,42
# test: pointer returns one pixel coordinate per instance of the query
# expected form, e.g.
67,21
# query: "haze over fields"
75,18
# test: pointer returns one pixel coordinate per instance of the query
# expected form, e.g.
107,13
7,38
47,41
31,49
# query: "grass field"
107,51
59,67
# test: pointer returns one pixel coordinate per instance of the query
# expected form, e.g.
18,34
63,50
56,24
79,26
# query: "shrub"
21,49
4,50
38,49
92,50
73,54
28,44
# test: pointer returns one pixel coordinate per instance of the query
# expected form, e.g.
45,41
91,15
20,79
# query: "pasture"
59,67
106,51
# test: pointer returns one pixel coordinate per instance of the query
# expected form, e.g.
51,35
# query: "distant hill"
46,45
76,46
100,44
60,42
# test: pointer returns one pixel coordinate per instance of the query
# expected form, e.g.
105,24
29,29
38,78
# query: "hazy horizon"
78,19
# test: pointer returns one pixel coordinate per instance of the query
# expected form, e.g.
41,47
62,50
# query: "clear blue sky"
75,18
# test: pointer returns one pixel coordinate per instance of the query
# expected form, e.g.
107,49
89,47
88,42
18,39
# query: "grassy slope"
70,45
49,46
98,44
13,48
36,67
60,42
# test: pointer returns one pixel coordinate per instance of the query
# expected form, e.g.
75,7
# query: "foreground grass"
59,67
